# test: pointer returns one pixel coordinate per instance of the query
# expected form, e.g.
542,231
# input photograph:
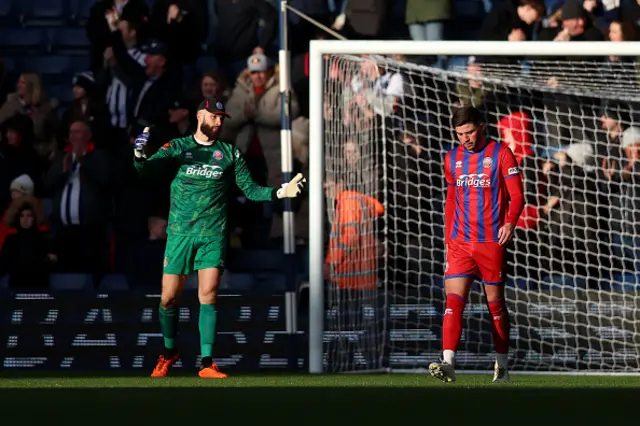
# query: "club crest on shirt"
217,155
166,146
166,261
487,162
458,164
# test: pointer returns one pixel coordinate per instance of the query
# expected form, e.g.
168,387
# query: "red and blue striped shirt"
484,192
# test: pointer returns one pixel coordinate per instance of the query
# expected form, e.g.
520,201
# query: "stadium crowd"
72,201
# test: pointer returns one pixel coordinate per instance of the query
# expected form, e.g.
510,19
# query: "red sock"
452,322
500,318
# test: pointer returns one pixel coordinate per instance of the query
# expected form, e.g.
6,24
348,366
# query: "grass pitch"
327,400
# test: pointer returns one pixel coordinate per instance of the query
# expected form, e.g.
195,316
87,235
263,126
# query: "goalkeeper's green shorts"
184,254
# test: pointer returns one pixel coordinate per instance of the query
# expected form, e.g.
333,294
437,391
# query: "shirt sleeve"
513,180
450,202
247,185
168,151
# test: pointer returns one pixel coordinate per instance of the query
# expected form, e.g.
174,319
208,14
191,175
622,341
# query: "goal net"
574,267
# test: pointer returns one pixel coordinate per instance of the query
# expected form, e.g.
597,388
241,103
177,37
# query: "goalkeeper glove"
140,143
293,188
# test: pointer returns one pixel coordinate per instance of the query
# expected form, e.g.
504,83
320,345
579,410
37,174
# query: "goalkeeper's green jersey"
200,189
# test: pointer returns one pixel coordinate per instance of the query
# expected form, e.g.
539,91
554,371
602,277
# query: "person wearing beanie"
22,190
84,107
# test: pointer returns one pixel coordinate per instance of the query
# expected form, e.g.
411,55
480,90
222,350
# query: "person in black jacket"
27,253
237,32
512,20
98,29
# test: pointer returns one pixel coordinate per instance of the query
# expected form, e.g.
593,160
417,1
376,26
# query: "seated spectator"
17,156
30,99
84,107
27,252
79,181
622,31
21,195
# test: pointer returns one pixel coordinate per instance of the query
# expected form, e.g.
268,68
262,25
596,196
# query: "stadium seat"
62,92
23,40
626,282
44,12
4,281
256,260
47,65
113,282
553,281
206,63
66,282
9,65
270,282
192,282
68,39
79,11
9,13
232,282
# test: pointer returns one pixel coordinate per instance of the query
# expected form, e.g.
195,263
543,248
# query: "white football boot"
500,374
443,371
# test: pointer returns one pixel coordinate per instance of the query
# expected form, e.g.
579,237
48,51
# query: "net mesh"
574,267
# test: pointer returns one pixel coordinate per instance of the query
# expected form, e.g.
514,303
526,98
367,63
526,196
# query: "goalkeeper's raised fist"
293,188
140,143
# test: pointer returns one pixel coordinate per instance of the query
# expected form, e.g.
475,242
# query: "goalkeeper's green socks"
207,326
169,327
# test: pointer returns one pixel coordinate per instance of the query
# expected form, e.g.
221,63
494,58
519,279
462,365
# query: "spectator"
426,20
576,26
22,190
621,174
84,107
17,156
27,253
254,107
30,99
237,32
622,31
79,181
512,20
182,25
364,19
98,29
118,85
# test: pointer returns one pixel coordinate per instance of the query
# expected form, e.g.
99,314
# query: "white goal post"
603,326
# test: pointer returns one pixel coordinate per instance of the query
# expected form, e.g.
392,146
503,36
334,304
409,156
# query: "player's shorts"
484,261
184,254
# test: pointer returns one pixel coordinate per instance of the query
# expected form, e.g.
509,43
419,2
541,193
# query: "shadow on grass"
320,406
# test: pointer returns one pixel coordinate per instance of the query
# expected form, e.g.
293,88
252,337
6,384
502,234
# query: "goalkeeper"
197,230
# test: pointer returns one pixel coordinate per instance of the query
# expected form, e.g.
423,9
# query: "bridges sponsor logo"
205,170
474,180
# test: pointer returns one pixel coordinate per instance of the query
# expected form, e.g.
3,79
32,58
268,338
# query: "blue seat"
66,282
114,282
44,12
626,282
22,39
192,282
9,13
79,11
206,63
269,282
9,65
237,282
47,65
552,282
72,39
62,92
257,260
4,282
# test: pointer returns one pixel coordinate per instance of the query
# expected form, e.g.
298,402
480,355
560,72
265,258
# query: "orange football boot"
212,372
163,366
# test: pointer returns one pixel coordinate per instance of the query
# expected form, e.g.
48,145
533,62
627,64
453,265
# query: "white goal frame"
319,48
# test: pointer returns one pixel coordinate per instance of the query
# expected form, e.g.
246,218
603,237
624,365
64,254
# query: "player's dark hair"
464,115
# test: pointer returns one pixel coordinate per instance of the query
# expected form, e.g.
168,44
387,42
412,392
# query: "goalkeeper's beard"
209,131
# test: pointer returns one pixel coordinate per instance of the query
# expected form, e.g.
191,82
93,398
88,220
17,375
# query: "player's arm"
255,192
140,160
450,202
515,188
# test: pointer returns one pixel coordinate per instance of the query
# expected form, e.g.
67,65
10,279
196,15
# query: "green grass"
324,400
